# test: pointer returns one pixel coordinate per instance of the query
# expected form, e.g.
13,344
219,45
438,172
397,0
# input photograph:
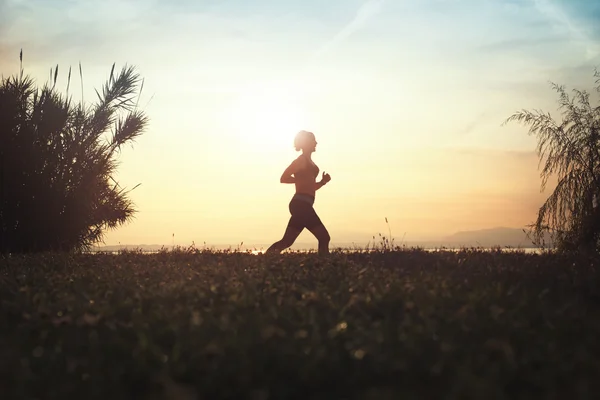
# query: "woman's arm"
287,177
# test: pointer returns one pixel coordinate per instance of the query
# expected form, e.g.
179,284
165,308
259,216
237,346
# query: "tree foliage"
58,160
570,152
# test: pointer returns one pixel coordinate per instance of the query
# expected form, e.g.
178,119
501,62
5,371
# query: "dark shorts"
303,213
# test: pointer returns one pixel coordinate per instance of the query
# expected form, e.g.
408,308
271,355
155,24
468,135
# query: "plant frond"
128,128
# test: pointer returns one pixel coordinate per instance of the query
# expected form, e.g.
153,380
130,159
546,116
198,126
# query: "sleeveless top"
310,170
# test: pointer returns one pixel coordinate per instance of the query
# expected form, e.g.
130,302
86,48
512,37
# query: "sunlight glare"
264,119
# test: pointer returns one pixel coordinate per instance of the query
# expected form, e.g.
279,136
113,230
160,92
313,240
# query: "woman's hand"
325,178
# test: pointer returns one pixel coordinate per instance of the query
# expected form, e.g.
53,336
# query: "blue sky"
406,97
462,26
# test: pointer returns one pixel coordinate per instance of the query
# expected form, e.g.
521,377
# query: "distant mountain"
500,236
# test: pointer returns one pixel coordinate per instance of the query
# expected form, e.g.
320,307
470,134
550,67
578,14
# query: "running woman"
303,173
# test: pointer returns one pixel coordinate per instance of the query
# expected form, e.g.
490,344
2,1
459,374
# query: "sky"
406,99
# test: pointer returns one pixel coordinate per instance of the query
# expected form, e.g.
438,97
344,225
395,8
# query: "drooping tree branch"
570,152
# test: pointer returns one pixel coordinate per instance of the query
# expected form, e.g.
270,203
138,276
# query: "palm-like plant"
570,151
57,161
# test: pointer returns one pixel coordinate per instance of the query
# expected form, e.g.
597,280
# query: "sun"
265,118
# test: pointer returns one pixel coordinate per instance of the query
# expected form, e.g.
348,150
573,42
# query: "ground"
407,324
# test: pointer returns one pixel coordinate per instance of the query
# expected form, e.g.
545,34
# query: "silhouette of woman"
303,172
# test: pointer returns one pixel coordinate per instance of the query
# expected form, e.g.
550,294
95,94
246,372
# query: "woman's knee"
320,233
324,237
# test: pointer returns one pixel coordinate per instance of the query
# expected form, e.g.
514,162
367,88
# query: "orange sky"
405,98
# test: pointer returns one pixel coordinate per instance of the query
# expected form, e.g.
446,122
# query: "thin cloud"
366,11
555,13
520,44
473,124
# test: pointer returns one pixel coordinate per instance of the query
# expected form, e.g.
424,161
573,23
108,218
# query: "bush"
57,160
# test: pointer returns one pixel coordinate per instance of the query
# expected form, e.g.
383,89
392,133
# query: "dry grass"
390,324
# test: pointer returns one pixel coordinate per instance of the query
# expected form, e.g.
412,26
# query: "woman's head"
305,141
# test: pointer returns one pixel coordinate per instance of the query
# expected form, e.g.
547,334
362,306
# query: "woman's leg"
322,236
316,227
289,237
314,224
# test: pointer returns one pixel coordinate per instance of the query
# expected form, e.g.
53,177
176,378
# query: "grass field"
404,324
